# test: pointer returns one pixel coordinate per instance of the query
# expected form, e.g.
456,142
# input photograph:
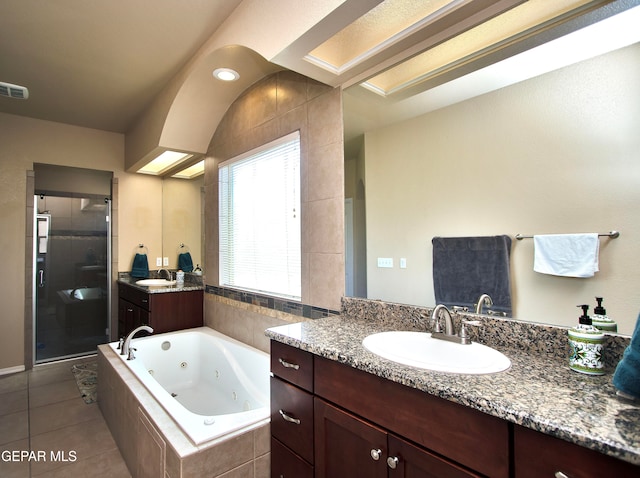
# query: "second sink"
155,282
419,349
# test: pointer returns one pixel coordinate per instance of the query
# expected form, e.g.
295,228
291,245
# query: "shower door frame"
34,310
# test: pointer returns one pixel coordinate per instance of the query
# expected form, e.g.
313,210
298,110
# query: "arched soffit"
202,100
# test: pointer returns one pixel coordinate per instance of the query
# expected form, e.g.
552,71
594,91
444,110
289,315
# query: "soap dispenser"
585,343
601,320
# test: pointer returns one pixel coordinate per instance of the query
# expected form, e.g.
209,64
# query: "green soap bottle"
585,343
601,320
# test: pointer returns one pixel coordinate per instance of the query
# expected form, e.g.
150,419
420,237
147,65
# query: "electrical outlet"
165,261
386,262
403,263
159,261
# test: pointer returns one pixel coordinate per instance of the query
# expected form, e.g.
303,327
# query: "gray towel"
464,268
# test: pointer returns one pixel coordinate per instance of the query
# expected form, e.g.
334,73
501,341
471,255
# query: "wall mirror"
555,153
182,219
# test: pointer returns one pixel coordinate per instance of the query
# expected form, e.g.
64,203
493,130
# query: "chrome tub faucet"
126,347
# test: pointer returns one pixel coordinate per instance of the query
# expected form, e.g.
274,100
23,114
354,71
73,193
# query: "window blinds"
259,219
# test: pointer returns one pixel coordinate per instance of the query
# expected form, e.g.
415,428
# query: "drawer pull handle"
559,474
289,418
392,462
286,364
375,453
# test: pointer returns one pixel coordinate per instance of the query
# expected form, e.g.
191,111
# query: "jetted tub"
209,383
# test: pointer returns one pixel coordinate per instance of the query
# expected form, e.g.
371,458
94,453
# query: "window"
259,208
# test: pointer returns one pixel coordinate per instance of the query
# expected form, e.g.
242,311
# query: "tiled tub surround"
153,445
539,391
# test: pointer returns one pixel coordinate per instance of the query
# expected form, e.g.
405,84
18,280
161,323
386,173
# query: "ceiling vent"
13,91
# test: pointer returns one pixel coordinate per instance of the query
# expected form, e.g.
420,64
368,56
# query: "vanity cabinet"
447,436
164,312
539,455
333,420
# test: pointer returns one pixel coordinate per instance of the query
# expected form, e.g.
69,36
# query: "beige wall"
278,105
556,154
24,141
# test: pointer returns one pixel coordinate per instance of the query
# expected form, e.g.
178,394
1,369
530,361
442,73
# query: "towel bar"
611,234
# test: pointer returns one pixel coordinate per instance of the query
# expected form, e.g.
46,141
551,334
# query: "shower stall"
71,284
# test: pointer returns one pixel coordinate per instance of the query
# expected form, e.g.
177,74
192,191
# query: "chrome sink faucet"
483,300
126,347
169,276
448,323
449,333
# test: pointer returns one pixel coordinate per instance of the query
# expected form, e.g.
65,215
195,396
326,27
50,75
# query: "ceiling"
98,64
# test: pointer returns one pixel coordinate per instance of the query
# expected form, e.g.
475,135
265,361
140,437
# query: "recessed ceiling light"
164,162
191,172
226,74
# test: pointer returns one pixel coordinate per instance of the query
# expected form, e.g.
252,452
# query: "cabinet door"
346,446
175,311
128,317
408,461
538,455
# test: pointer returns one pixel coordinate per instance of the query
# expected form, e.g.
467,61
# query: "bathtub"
210,384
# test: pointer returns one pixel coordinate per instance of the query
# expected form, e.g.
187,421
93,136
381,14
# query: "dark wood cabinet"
473,439
539,455
329,420
164,312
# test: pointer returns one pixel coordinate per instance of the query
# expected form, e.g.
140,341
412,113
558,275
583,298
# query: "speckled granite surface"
191,282
539,391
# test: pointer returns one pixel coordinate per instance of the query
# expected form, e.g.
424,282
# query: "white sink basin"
418,349
155,282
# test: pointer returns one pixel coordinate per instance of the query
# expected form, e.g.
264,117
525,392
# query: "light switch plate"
385,262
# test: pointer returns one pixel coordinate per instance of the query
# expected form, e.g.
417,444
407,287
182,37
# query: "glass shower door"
71,257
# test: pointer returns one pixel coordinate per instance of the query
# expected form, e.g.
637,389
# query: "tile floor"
41,411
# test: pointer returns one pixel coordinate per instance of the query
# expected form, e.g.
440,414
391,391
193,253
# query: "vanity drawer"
292,417
539,455
292,364
286,464
135,296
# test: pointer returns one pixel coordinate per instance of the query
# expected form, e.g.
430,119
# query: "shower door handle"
41,278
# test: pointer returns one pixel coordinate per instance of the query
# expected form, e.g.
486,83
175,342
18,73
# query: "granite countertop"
191,282
539,391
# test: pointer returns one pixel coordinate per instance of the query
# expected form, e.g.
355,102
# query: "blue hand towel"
627,375
140,267
464,268
185,263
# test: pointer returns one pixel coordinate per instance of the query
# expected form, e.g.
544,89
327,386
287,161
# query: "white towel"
568,255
